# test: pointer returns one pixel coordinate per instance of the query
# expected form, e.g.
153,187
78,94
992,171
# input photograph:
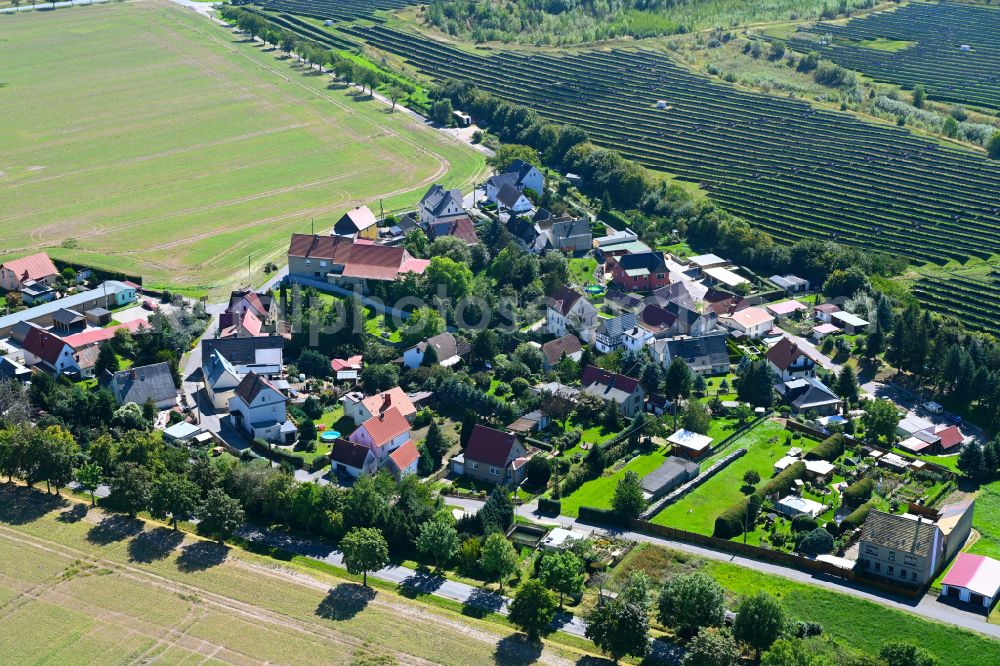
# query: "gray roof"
241,351
673,472
686,293
508,196
807,393
437,198
899,533
67,317
506,178
215,366
788,281
616,326
147,382
706,349
11,369
68,302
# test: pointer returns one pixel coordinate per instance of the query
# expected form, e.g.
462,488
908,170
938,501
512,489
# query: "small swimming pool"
329,435
594,289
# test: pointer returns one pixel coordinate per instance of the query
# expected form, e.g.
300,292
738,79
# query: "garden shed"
674,472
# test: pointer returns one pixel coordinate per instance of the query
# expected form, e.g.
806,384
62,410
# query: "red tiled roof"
964,569
394,397
32,267
567,345
656,318
352,363
374,262
386,426
489,446
405,455
43,344
595,375
98,335
411,265
783,354
950,437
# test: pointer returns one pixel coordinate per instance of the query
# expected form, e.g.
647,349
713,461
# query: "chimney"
131,374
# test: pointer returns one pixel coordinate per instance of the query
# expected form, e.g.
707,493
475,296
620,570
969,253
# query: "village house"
566,234
519,175
37,268
513,200
643,271
108,295
262,304
439,204
347,369
788,361
808,394
706,355
526,234
257,409
359,222
361,408
262,355
49,352
448,351
148,383
657,320
348,264
752,322
221,379
387,435
553,351
824,313
568,311
637,337
609,335
352,459
905,548
240,325
625,391
492,456
461,228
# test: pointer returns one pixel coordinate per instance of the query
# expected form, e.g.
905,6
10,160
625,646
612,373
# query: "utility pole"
381,211
249,278
312,225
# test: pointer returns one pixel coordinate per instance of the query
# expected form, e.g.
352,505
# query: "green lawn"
189,150
581,271
697,511
598,492
986,520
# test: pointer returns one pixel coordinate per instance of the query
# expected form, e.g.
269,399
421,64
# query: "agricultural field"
79,586
970,298
231,147
920,44
846,620
789,168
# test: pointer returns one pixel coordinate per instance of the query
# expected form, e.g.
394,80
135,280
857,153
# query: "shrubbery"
856,518
858,493
830,448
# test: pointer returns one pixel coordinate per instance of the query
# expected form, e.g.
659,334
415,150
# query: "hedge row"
858,493
856,518
590,514
783,482
730,522
276,453
549,506
830,448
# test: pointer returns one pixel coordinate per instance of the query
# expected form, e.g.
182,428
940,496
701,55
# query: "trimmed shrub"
856,518
549,506
783,483
830,448
858,493
804,523
730,522
817,542
592,514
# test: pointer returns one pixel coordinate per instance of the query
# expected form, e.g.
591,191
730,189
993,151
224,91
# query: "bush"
817,542
730,522
783,483
590,514
830,448
548,506
858,493
422,419
804,523
855,518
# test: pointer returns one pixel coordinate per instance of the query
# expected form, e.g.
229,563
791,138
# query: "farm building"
792,284
973,579
851,323
359,222
825,312
674,472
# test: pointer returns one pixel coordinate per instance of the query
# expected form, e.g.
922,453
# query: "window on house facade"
912,561
890,570
474,464
878,566
892,556
913,575
902,573
494,471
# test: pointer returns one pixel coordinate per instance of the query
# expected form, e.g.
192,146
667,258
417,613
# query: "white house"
440,204
520,175
388,437
257,408
636,338
789,361
752,322
449,351
347,457
568,311
49,351
221,379
512,199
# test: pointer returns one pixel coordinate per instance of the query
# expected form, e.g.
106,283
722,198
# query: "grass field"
76,587
861,624
143,138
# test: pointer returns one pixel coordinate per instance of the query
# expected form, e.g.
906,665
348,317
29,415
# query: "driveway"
910,401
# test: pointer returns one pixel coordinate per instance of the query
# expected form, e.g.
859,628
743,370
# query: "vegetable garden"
936,61
783,165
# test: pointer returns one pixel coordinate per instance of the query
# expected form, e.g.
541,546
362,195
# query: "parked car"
933,407
955,419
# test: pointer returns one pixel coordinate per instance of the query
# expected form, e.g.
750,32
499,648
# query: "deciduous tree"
365,549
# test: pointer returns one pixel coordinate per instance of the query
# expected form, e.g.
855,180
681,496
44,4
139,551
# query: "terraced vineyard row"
936,61
335,10
783,165
973,301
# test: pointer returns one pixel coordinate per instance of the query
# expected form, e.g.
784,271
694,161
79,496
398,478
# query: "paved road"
928,606
47,6
910,401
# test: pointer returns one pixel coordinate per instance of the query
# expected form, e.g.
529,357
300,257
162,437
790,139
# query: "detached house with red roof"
789,361
569,312
626,391
346,263
360,408
257,409
49,352
387,436
641,271
34,268
492,456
